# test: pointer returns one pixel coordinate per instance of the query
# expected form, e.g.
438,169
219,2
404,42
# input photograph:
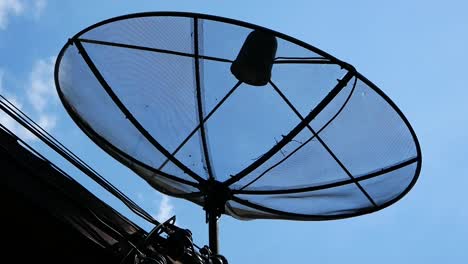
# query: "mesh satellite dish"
237,118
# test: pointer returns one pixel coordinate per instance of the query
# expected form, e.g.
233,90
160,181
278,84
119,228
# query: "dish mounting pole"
213,232
217,194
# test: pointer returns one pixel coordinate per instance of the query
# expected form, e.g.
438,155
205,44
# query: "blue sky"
416,52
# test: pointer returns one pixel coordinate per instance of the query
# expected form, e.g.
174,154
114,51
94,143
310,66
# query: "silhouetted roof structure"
52,218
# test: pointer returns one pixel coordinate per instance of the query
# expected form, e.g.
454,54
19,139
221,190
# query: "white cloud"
166,209
14,126
9,8
38,7
47,122
40,95
41,90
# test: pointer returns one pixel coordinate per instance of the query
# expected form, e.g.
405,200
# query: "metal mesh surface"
318,142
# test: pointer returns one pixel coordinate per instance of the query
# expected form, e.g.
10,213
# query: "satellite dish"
237,118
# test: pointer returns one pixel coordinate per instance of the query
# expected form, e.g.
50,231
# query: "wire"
58,144
24,120
29,124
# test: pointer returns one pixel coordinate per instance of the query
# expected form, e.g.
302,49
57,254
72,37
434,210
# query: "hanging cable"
24,120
